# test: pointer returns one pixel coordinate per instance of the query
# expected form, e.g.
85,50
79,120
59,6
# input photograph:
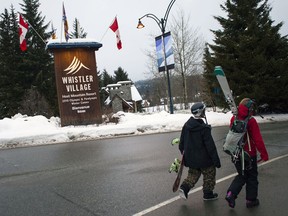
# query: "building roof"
124,102
135,94
73,43
113,85
125,82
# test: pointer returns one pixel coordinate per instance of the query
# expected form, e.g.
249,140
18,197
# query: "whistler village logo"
74,82
75,66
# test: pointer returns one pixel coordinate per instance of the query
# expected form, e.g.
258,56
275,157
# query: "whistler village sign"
77,81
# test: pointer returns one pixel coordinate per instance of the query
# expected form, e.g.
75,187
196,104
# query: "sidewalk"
273,189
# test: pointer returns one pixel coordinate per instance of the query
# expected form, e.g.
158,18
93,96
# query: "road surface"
128,176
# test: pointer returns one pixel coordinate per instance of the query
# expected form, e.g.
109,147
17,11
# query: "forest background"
248,46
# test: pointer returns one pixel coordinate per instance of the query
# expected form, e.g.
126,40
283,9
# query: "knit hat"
250,104
247,102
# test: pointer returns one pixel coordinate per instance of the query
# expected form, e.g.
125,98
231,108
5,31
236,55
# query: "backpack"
234,139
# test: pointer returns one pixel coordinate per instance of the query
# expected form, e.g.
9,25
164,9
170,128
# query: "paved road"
272,194
122,176
273,185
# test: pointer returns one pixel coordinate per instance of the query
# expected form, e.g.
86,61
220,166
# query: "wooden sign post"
77,81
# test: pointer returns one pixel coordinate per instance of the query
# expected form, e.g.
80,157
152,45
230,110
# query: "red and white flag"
114,27
23,28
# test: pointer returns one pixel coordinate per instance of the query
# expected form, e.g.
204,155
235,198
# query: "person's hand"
260,160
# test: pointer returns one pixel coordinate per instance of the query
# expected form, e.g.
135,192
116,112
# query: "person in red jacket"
254,143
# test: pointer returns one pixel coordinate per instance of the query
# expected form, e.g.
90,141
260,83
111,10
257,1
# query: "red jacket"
256,140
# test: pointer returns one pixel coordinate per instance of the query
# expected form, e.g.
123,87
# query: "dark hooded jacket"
198,145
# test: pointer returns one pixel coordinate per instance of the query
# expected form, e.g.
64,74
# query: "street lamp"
162,25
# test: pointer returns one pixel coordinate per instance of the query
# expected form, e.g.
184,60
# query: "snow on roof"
107,101
125,82
135,94
113,85
73,43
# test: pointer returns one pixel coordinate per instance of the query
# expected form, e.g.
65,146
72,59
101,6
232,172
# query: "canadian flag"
114,27
23,28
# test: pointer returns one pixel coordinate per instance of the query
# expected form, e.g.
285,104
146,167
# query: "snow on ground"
22,130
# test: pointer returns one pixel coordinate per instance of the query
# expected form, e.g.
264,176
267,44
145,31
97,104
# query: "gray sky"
95,17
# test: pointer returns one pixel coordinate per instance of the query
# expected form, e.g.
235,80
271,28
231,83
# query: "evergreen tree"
78,31
25,75
120,75
11,90
38,67
212,94
106,79
252,53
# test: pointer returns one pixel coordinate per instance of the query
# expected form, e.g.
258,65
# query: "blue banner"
167,38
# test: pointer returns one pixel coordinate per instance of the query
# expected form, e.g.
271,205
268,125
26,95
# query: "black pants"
250,178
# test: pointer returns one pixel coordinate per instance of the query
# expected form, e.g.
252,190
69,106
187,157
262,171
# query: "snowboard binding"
175,141
175,166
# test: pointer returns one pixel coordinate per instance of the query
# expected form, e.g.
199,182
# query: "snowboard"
179,175
220,75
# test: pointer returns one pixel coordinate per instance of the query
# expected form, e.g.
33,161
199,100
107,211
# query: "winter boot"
230,198
252,203
183,191
209,195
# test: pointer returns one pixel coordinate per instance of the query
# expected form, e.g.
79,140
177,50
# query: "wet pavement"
273,196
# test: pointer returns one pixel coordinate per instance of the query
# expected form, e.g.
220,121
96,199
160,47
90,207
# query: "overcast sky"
95,17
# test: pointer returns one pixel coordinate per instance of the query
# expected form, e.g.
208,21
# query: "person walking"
253,142
200,154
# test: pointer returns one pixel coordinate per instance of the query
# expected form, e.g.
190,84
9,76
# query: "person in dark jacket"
200,154
253,143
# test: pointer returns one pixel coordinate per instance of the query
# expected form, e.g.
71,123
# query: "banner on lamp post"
164,45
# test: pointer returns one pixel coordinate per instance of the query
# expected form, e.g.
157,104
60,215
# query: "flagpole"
62,23
33,28
104,34
107,30
65,24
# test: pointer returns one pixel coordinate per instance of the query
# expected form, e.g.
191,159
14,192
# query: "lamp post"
162,25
